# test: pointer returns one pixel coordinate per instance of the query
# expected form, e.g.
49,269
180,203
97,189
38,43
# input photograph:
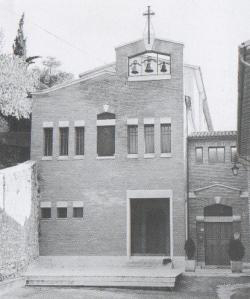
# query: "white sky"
210,30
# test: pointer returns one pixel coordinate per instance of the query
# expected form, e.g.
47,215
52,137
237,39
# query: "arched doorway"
218,232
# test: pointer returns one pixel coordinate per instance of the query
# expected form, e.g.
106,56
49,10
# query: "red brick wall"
205,174
102,184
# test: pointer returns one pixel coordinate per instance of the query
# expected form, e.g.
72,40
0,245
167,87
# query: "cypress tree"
19,46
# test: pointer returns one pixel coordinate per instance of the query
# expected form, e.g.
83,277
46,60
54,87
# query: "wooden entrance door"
217,237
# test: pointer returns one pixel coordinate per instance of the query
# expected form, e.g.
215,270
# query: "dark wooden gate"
217,237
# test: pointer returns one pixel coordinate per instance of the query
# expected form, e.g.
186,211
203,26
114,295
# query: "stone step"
103,281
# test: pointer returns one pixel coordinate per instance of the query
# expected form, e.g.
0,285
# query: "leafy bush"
189,248
236,250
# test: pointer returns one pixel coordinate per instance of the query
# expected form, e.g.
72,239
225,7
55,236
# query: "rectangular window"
233,154
45,213
105,141
61,212
199,154
79,141
132,139
149,138
220,154
64,141
78,212
165,138
216,154
48,142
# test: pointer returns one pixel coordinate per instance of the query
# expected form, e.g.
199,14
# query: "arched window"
105,134
105,115
218,210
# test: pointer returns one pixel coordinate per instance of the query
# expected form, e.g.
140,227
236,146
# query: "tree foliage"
19,46
49,75
16,81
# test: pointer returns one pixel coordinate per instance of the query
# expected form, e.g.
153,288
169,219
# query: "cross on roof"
149,13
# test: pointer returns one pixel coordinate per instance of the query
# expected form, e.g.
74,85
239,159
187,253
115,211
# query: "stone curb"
10,284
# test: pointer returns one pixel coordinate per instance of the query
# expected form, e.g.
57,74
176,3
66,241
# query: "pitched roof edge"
141,39
88,76
105,66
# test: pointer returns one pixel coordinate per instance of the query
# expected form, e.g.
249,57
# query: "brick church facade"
119,175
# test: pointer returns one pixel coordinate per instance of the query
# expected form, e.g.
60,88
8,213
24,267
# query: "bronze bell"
134,68
163,67
148,68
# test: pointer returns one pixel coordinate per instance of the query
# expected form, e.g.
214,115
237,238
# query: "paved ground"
187,287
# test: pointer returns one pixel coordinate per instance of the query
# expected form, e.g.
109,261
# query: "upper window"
79,141
132,139
64,141
233,154
105,134
149,139
166,138
149,63
48,141
216,154
199,154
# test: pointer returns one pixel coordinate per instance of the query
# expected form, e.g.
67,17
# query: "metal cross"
149,13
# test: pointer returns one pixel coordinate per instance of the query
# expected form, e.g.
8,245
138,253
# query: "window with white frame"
77,212
79,141
149,138
199,154
132,139
216,154
106,134
47,142
64,141
45,208
165,138
46,213
77,209
62,209
233,154
62,212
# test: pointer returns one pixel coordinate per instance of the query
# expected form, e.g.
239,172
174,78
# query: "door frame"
200,231
163,194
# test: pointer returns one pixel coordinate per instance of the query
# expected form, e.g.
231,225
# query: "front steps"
101,272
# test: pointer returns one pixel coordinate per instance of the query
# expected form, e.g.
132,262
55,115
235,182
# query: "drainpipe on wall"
4,192
186,201
187,179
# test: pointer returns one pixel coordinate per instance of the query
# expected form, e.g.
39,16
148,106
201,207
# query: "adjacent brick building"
218,200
